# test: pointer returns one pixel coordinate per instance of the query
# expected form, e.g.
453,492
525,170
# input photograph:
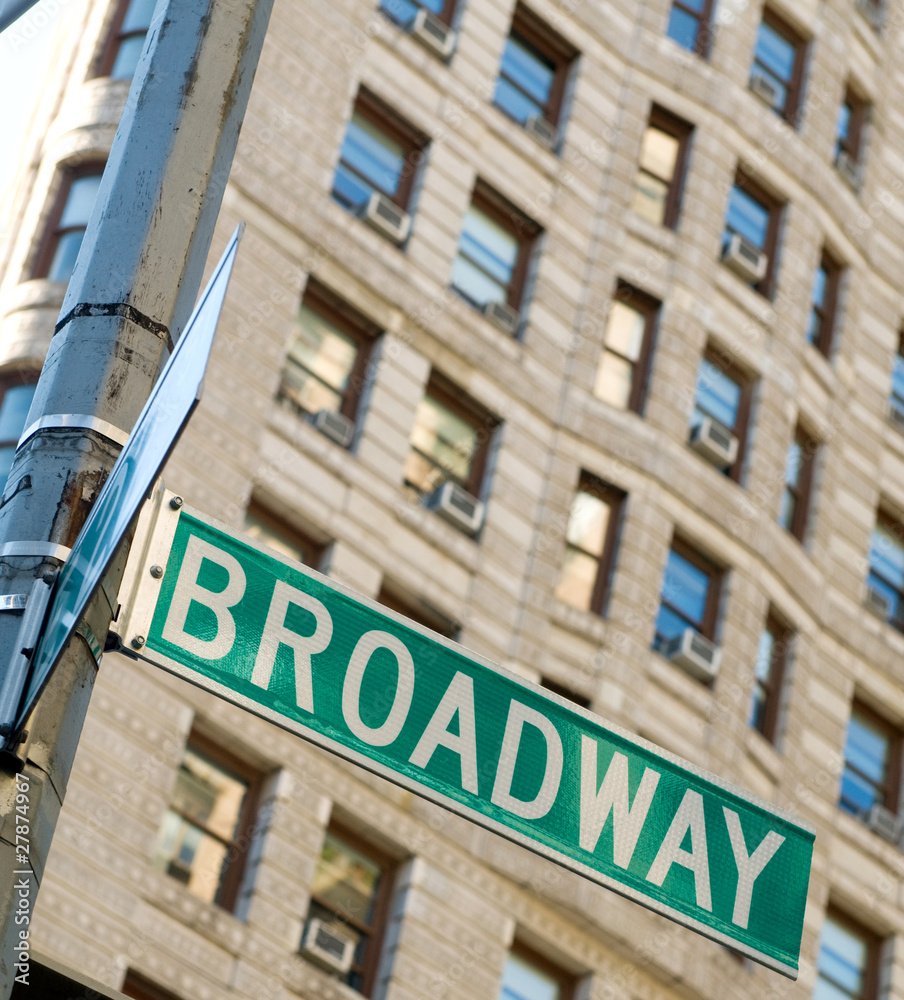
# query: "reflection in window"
72,214
528,976
769,673
754,215
795,501
405,11
269,530
209,811
886,569
16,393
627,344
722,396
867,761
128,39
689,24
846,965
487,256
689,596
778,58
821,323
896,400
660,173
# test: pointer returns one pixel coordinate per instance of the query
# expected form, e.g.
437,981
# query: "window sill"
212,922
663,238
679,683
579,621
757,306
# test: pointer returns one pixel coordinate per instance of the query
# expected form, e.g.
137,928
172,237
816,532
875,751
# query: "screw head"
138,641
176,502
156,572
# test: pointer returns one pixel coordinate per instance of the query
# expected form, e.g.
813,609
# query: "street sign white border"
145,600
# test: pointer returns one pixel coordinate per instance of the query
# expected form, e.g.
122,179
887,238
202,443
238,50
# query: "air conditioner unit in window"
884,822
878,603
502,315
433,33
745,259
457,506
386,217
336,426
695,653
896,415
714,442
873,11
849,169
764,88
543,131
327,946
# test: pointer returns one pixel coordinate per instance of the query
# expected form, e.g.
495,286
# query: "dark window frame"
616,499
538,35
794,84
115,37
650,308
519,225
741,428
891,789
236,857
895,528
52,231
783,638
445,392
567,982
827,312
705,26
802,490
327,304
445,15
376,930
681,130
380,114
775,209
853,143
897,400
710,620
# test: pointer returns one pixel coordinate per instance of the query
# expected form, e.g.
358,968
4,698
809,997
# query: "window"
450,440
380,153
660,173
493,252
207,829
896,400
850,128
564,692
778,66
690,595
621,379
529,976
68,222
139,988
326,367
885,580
772,656
723,395
689,25
404,11
847,967
756,216
418,611
351,892
821,324
534,70
17,390
268,529
590,542
872,753
792,515
126,41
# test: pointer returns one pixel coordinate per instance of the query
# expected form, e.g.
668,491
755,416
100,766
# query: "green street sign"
312,656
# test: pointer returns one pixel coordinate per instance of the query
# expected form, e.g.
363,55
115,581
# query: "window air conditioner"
502,315
745,259
457,506
896,416
327,946
849,169
884,822
386,217
714,442
878,603
433,33
764,89
543,131
336,426
695,653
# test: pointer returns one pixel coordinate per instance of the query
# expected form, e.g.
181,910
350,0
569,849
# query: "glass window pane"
346,880
718,395
588,522
866,748
897,379
659,153
579,573
209,795
373,154
764,654
6,463
138,15
843,128
842,956
66,254
614,380
349,189
650,197
531,71
80,201
786,510
515,102
475,284
624,330
323,349
445,436
683,28
686,587
793,463
886,556
819,286
775,52
524,981
489,244
14,411
127,56
748,217
669,624
421,472
266,534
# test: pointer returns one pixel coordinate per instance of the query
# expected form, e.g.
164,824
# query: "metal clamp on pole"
13,683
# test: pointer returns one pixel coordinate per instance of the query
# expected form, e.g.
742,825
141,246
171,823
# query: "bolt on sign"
310,655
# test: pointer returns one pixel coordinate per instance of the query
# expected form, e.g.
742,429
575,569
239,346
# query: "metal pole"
136,278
